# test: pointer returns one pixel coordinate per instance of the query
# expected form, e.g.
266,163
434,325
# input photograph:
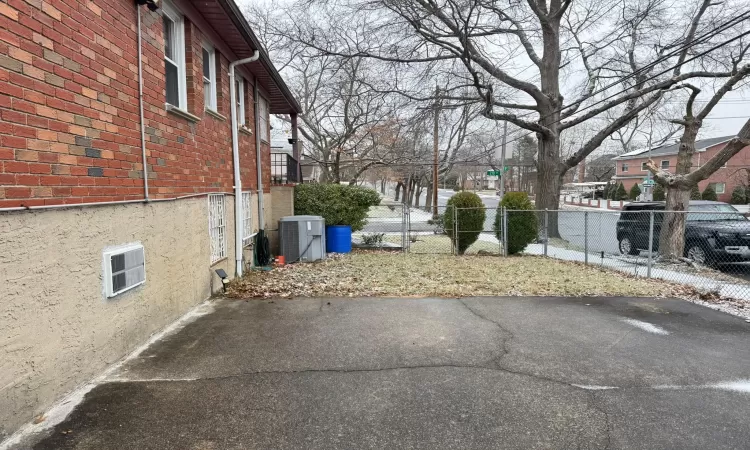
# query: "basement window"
217,227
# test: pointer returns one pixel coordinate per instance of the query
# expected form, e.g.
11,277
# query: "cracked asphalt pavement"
477,373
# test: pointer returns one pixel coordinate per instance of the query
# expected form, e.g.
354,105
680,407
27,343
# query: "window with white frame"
643,166
217,227
240,100
665,164
247,219
624,167
719,188
263,118
174,56
209,77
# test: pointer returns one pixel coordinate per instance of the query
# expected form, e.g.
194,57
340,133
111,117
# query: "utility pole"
435,156
502,160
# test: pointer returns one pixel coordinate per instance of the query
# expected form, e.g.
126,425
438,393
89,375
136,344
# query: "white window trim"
624,167
661,164
217,227
263,119
212,72
716,186
179,46
241,120
247,219
643,166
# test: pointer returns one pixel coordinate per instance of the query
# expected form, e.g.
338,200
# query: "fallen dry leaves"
387,274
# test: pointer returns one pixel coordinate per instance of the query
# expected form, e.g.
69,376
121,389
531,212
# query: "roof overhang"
225,17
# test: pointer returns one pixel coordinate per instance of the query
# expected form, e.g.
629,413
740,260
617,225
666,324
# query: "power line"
648,79
684,46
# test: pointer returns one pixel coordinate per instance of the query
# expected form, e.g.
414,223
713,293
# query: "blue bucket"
338,239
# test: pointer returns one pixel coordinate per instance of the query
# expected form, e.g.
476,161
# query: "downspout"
261,214
236,161
140,107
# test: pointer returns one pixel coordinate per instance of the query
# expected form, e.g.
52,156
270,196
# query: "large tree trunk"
549,169
382,186
417,193
399,185
428,201
549,182
672,237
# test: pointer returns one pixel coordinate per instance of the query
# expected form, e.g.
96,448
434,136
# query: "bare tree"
341,107
618,51
679,184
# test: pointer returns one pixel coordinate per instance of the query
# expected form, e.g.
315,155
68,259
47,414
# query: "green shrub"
338,204
695,193
709,193
470,221
522,222
635,191
659,194
739,196
373,240
621,193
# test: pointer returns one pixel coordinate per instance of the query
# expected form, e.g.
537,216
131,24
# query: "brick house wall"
734,174
70,129
70,134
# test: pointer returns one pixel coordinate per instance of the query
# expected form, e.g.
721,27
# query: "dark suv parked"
715,232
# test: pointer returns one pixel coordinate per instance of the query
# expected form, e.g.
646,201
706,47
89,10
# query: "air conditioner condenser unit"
302,238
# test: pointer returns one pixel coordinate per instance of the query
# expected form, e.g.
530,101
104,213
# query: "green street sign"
505,169
493,173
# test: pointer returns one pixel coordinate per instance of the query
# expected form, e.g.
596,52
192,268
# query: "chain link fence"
715,256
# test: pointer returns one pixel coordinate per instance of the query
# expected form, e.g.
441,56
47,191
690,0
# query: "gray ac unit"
302,238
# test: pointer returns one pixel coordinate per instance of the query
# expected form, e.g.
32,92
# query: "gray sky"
726,118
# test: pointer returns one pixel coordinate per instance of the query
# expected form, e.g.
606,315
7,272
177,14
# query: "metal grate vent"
124,269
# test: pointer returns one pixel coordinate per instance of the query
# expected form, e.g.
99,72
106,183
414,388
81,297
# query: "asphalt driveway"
430,373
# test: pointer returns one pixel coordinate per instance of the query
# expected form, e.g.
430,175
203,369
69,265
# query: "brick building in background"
95,256
631,167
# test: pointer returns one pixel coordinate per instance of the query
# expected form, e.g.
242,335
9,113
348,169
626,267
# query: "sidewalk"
725,289
740,291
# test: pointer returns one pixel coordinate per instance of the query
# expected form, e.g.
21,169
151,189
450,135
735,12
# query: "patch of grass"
382,274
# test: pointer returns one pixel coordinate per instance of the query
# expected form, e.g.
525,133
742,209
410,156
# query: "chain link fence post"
546,230
505,231
650,243
586,237
498,210
454,246
404,228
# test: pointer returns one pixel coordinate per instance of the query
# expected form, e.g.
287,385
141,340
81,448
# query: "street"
476,373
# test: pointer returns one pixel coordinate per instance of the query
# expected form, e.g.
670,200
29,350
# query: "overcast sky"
726,118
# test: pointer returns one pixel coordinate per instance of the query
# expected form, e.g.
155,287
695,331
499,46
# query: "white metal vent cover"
124,268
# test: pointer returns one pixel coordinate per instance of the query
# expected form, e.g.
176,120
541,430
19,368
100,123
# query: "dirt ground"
384,274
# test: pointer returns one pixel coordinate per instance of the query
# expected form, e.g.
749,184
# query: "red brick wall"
732,175
69,128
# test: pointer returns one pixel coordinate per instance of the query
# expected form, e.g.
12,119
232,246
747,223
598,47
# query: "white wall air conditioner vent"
124,268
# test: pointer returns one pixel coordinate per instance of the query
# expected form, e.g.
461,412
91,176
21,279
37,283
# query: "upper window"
624,167
263,118
665,164
643,166
174,57
240,100
209,77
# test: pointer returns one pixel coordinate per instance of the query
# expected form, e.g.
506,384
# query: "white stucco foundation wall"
57,329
